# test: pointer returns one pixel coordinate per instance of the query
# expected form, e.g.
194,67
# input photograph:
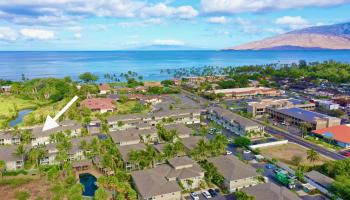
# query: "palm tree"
21,151
305,128
101,194
312,155
2,167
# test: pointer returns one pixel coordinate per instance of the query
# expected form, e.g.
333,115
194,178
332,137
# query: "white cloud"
218,20
37,34
168,42
291,22
142,23
8,34
59,12
77,35
163,10
239,6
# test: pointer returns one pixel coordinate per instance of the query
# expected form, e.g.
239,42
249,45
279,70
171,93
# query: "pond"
21,115
89,183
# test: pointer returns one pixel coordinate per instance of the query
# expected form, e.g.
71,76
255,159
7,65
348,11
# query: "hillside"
319,37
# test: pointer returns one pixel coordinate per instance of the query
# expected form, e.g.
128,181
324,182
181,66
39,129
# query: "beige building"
176,116
233,122
8,155
258,108
7,138
134,136
236,174
249,92
70,127
162,181
297,116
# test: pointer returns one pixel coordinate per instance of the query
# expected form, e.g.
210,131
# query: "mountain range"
335,37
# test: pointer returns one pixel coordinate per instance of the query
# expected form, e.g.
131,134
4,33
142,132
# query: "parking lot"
219,197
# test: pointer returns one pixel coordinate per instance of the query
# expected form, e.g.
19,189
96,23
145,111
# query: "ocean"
145,63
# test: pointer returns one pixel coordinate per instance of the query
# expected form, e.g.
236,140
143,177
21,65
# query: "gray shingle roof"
150,183
182,129
64,126
232,117
319,178
8,153
191,142
125,150
232,168
270,191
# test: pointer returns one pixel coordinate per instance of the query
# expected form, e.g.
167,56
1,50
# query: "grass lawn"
284,154
127,107
322,143
8,103
36,187
39,115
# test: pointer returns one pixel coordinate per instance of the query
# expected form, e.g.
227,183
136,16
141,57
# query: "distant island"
330,37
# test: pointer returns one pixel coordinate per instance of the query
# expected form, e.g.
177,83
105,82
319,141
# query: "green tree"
312,155
240,195
2,167
101,194
88,77
242,141
341,187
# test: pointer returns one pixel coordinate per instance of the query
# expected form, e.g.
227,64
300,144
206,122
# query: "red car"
347,154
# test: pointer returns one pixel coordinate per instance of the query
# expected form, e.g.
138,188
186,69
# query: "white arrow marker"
51,123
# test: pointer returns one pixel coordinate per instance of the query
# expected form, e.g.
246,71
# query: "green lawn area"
128,106
8,104
322,143
39,115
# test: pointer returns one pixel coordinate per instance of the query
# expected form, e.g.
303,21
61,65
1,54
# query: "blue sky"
129,24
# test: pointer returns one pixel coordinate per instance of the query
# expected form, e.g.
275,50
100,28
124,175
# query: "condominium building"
233,122
162,182
176,116
258,108
249,92
298,116
236,174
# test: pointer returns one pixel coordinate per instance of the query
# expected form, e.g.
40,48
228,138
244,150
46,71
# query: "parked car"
206,194
194,196
212,192
276,170
347,154
246,151
228,152
270,166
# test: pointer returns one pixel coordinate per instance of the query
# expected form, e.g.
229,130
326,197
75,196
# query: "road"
300,141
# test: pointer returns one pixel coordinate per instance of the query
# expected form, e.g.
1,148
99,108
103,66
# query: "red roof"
103,87
339,133
98,103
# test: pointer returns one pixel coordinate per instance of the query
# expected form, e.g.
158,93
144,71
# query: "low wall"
268,144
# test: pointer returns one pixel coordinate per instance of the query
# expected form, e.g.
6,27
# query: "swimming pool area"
89,182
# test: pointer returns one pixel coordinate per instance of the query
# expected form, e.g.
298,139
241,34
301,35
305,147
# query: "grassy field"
39,115
36,187
8,104
285,153
128,106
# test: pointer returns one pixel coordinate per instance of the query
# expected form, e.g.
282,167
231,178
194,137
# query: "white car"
194,196
206,194
228,152
246,151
